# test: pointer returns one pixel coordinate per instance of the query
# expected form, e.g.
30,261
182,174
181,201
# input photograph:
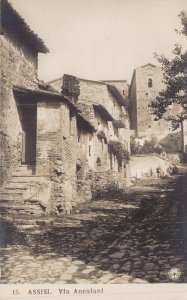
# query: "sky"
102,39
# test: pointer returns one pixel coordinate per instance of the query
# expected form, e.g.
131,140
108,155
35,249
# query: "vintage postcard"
93,149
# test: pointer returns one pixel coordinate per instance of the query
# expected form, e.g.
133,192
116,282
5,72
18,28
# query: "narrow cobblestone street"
135,239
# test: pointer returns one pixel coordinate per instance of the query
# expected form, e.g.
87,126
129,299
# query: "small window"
98,162
79,171
78,135
90,148
150,83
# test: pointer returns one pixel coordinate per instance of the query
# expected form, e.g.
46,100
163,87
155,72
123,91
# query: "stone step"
18,185
9,203
10,197
14,189
23,173
37,222
31,200
26,179
16,192
21,211
24,170
15,206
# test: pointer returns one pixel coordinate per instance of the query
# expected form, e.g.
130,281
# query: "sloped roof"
27,94
105,114
16,25
148,65
115,92
103,111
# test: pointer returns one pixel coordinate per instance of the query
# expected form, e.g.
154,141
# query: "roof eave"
10,17
114,91
48,95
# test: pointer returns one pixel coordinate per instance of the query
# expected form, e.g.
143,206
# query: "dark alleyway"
137,239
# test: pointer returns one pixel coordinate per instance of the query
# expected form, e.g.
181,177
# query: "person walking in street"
158,171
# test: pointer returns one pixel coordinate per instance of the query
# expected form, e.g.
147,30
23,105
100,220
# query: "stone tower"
146,83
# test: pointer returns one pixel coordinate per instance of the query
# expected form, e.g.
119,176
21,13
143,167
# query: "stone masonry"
146,83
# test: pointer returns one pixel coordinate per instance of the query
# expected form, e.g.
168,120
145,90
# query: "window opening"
150,83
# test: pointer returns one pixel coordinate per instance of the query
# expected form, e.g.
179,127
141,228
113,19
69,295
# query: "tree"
175,79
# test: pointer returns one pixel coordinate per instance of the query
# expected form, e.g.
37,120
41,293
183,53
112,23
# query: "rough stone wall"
99,147
146,94
59,149
49,135
75,150
121,85
90,150
108,183
114,107
87,111
96,92
101,155
100,123
141,96
79,188
133,103
18,67
91,91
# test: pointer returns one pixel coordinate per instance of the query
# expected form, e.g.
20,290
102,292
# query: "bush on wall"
116,148
101,136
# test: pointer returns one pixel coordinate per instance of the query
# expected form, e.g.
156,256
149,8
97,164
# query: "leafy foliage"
175,79
147,148
101,135
116,148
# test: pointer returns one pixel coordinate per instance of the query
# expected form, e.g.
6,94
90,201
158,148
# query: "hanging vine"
101,136
116,148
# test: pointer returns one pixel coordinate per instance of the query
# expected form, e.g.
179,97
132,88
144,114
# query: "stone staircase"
19,196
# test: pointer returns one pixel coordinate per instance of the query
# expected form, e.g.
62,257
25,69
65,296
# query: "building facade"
146,83
54,141
106,109
40,152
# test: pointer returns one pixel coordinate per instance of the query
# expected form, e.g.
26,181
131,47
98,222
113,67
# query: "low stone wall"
175,158
40,191
144,166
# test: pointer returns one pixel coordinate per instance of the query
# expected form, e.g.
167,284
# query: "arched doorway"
79,170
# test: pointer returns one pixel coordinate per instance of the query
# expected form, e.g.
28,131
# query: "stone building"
44,137
107,110
121,85
146,83
53,139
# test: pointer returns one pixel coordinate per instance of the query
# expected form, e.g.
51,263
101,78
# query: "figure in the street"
158,171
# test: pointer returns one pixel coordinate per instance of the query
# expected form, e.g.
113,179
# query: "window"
98,162
90,148
78,134
71,123
150,83
79,171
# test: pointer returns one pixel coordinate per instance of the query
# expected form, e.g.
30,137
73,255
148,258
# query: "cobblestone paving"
135,239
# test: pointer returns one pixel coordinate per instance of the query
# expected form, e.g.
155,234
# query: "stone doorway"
28,117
